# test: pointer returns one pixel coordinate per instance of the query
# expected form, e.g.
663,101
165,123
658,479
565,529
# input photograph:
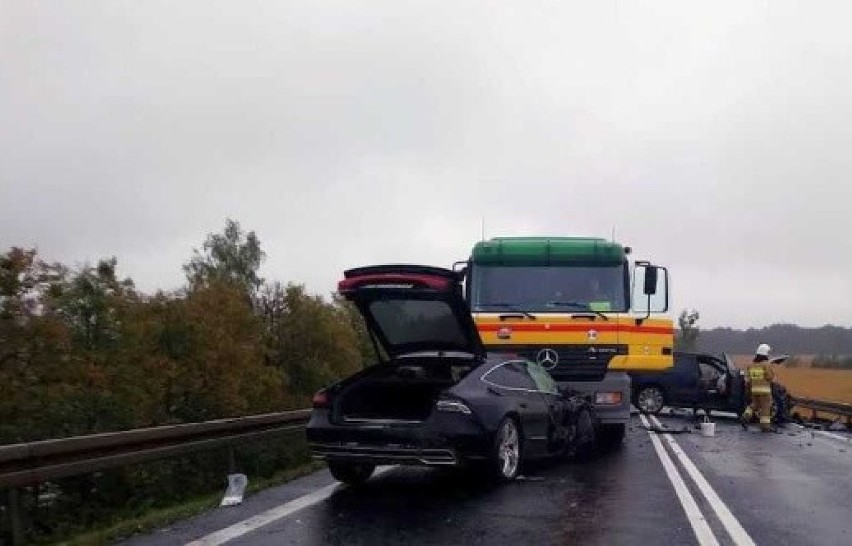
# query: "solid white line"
265,518
825,433
732,525
699,524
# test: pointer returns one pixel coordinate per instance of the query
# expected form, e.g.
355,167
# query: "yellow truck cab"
580,308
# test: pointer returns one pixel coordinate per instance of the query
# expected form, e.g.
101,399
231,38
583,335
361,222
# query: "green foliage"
230,257
82,351
688,331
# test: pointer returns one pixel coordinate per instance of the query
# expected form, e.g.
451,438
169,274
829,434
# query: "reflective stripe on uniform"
761,389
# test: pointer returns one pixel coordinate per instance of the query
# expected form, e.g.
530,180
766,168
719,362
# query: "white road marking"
732,525
265,518
825,433
699,524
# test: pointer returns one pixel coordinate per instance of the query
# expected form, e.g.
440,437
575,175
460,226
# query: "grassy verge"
162,517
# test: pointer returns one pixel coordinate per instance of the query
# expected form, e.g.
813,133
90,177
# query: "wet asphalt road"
790,488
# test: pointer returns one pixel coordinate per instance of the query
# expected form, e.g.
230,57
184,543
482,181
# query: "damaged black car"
436,397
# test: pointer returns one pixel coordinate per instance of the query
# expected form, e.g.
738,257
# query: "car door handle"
523,405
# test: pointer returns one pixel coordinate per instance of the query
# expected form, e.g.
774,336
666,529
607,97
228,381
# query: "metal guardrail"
35,462
841,409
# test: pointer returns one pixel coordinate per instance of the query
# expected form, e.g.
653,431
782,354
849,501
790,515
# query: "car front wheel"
650,399
351,473
506,452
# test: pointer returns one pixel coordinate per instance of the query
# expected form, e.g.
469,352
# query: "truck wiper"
576,305
512,306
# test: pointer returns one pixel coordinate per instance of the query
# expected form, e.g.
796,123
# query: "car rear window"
406,322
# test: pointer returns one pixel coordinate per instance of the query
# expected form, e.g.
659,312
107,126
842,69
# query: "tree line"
783,338
84,351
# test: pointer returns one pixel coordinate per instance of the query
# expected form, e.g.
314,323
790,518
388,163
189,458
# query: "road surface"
735,488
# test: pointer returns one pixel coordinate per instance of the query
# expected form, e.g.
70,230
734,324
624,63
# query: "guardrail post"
232,462
14,502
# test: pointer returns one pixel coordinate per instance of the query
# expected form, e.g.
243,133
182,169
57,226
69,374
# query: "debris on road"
666,430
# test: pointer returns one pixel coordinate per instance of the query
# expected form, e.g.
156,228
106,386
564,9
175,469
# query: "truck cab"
579,307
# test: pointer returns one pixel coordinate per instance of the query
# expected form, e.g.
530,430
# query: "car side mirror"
650,287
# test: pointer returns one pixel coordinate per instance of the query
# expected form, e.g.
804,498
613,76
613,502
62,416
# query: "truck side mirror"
650,287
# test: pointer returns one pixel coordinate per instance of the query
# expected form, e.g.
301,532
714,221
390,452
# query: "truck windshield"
562,289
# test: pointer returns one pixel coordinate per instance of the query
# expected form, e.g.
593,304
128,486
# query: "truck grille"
576,362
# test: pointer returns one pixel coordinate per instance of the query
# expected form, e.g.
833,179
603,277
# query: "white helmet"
762,350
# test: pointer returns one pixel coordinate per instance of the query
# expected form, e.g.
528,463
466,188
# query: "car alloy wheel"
508,449
650,400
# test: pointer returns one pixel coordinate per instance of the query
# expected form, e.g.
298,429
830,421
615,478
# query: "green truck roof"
548,251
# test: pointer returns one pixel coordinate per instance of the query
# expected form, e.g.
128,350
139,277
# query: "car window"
417,321
543,381
512,375
708,372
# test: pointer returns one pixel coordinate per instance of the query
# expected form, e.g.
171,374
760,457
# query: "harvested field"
807,382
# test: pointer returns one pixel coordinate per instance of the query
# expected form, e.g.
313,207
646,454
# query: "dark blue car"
697,380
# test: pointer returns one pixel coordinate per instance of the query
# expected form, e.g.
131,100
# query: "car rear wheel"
506,452
650,399
351,473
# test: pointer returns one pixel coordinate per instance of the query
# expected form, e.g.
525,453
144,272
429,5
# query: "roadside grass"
162,517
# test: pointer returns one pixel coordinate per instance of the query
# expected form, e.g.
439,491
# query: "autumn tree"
687,335
312,340
232,256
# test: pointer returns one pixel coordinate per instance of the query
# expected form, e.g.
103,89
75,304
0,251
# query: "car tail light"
320,400
452,406
608,398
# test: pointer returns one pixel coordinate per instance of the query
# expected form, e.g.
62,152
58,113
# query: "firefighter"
759,376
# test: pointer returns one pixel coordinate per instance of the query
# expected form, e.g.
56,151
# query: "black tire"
650,399
586,443
506,451
611,436
351,473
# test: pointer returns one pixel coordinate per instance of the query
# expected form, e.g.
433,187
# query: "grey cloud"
713,137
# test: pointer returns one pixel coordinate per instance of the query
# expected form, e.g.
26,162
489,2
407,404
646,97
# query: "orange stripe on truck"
527,327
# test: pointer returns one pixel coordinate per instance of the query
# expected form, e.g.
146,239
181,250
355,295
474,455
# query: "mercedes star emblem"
547,358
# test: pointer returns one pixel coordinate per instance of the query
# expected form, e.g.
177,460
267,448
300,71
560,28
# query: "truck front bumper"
613,382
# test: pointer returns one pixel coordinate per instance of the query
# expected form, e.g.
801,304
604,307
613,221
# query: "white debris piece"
236,488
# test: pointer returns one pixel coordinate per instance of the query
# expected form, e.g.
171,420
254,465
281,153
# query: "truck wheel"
650,399
505,460
611,436
351,473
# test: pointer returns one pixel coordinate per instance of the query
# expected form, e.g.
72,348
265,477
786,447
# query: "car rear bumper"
385,455
445,440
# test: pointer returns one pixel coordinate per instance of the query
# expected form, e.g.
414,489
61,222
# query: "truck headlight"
608,399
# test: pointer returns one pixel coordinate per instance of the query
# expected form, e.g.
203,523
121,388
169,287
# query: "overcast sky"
715,137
